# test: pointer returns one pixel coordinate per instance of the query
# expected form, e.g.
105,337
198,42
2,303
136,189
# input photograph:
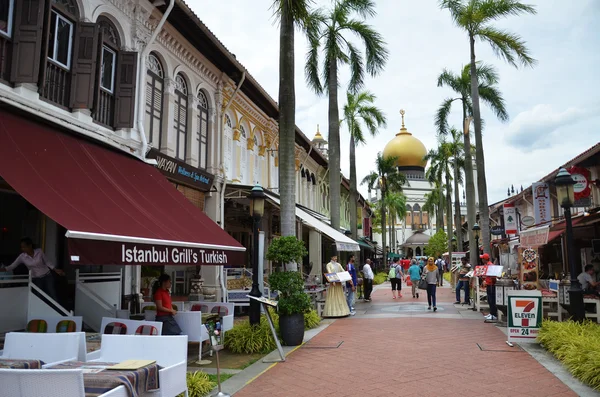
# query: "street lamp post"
566,198
257,209
476,230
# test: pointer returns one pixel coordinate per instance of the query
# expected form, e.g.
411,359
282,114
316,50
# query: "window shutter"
27,45
125,93
84,66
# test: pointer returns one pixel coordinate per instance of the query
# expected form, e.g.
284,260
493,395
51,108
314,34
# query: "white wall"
14,315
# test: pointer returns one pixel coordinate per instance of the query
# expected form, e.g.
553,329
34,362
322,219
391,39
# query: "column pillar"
315,254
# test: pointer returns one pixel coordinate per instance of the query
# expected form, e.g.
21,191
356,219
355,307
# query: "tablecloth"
21,364
135,381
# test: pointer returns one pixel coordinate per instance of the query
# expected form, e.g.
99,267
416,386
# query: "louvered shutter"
125,91
27,41
84,66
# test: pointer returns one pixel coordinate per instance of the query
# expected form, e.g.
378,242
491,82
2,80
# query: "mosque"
411,234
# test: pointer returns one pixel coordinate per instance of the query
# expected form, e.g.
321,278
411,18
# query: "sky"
554,107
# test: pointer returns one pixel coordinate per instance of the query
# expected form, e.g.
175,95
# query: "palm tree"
490,94
432,204
358,111
458,166
329,31
291,14
476,17
395,203
440,161
387,178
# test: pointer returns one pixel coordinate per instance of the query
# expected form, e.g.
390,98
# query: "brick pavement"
407,357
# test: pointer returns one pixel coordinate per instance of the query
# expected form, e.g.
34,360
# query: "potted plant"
292,304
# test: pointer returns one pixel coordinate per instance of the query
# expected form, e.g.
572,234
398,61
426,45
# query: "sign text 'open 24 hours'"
524,315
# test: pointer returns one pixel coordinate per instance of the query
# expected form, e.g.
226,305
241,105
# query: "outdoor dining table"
20,364
136,382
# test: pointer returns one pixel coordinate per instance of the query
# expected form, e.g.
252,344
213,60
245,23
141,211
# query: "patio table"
136,382
20,364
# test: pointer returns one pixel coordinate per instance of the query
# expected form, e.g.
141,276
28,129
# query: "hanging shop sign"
496,230
528,221
510,218
541,202
535,237
582,188
179,171
524,315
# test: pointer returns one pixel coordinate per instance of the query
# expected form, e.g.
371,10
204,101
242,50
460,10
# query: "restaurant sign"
535,237
510,218
179,171
541,202
582,187
524,315
102,252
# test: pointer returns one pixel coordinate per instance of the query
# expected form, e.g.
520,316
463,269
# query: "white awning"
342,242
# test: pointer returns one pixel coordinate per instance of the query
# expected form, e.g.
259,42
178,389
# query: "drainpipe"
224,176
141,76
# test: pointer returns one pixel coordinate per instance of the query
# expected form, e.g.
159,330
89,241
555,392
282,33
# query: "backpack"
392,272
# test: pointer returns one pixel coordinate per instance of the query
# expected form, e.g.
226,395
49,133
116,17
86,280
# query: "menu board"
338,277
529,266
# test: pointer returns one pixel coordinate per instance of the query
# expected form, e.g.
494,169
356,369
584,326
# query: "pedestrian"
335,304
490,283
586,279
414,271
431,275
421,264
440,265
164,307
368,277
396,276
40,267
463,281
351,285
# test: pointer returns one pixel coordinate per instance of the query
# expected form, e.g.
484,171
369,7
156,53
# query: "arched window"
228,149
109,43
181,105
203,129
409,216
243,177
7,8
154,100
417,215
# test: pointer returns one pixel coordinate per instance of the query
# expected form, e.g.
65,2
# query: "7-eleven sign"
524,315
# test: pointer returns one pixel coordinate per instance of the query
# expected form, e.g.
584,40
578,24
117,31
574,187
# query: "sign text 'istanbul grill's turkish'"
97,252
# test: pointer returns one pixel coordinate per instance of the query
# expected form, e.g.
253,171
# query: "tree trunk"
470,188
287,124
449,217
459,240
383,231
334,148
393,227
484,211
353,188
441,206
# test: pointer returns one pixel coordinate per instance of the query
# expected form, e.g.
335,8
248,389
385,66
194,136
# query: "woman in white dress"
335,302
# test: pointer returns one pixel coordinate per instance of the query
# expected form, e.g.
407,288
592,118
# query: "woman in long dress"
335,302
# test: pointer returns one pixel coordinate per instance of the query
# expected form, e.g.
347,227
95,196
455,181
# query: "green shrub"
246,339
292,298
380,278
311,319
577,346
199,384
287,249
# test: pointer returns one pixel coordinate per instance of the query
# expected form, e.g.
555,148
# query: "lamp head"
564,183
257,201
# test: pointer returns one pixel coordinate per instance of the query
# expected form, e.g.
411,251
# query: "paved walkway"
398,348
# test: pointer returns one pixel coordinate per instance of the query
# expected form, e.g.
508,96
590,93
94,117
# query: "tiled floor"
427,354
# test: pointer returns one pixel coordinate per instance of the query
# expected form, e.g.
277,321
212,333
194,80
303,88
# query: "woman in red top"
164,307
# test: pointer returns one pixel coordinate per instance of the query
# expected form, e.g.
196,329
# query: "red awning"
558,229
117,210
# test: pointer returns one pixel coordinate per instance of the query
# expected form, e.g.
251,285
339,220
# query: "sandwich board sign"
524,315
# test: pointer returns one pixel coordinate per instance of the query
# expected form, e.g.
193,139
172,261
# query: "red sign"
582,182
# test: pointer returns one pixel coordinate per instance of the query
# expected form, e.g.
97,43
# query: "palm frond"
441,116
376,53
493,98
456,8
357,72
297,10
364,8
449,79
508,46
497,9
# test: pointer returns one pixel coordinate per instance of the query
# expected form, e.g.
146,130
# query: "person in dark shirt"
351,285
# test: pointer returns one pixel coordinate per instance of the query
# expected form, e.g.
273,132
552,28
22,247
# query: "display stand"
265,303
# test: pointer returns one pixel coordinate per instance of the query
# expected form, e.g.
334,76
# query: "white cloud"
539,127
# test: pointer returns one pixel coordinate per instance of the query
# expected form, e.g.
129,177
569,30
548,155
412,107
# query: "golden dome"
318,137
410,151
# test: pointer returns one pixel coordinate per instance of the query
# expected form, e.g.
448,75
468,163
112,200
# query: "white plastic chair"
47,383
170,352
49,348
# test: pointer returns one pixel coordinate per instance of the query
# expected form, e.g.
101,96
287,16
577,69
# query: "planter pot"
292,329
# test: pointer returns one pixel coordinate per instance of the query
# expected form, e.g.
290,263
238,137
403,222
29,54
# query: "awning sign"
535,237
541,202
510,218
524,315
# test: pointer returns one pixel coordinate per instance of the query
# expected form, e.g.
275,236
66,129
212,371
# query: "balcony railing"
105,109
5,50
57,85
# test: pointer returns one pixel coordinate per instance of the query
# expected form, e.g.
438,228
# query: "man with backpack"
440,263
396,276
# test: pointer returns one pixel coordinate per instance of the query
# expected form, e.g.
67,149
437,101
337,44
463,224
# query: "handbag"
422,284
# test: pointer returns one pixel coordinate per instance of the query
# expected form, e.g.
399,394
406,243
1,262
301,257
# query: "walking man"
368,277
414,271
351,285
463,281
440,265
395,275
490,283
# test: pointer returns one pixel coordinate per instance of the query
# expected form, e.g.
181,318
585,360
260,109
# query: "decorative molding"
250,144
170,86
261,150
178,49
236,134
